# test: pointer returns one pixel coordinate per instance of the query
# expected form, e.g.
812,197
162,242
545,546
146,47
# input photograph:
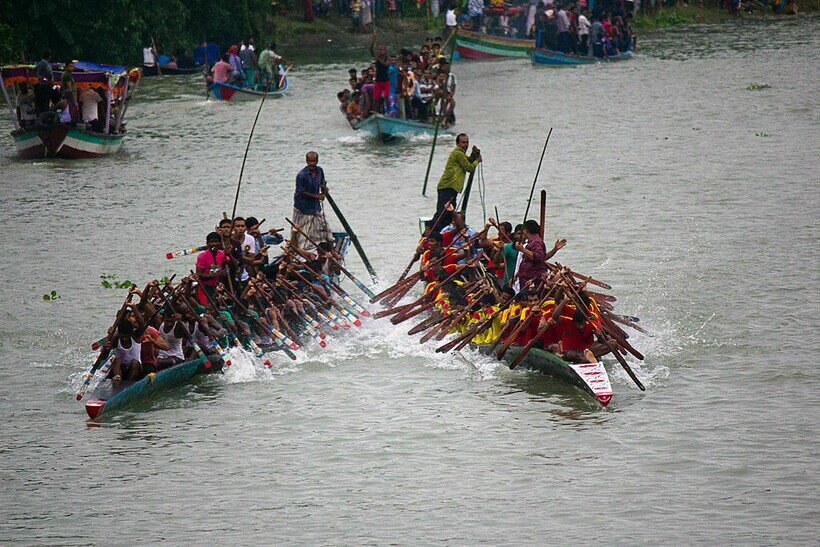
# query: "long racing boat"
590,378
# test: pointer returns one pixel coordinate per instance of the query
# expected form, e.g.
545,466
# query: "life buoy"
48,120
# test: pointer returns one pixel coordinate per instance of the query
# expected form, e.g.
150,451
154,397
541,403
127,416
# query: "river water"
695,197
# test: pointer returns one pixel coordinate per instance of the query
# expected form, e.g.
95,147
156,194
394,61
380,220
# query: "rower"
173,332
577,340
127,349
210,267
534,253
452,179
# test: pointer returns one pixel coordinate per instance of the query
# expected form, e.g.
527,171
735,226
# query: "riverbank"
687,14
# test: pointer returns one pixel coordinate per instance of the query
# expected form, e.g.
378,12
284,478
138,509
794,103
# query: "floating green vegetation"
51,296
111,281
757,87
761,134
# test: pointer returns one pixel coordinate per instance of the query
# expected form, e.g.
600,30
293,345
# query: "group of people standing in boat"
408,85
563,28
50,102
241,65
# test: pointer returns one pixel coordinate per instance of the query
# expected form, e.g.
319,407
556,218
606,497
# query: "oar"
199,353
417,254
544,151
468,189
349,275
524,323
605,339
336,288
543,213
156,56
550,322
106,349
352,236
438,122
273,333
185,252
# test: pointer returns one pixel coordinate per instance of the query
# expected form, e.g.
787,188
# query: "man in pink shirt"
534,253
210,267
222,70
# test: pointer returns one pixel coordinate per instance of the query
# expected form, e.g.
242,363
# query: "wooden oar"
418,251
543,215
200,354
435,317
156,56
535,180
523,324
349,275
352,236
550,322
604,338
185,252
438,121
105,351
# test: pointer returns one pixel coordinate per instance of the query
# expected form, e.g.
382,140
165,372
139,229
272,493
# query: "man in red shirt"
576,340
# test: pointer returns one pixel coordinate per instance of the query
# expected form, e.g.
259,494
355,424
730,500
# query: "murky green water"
696,198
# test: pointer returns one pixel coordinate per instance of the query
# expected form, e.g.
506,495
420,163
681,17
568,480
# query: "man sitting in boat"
534,253
576,341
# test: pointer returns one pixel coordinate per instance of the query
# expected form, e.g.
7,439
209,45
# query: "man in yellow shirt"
452,179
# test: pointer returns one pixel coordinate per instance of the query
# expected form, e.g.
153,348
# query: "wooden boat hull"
476,46
152,71
229,92
590,378
107,398
64,142
386,129
557,58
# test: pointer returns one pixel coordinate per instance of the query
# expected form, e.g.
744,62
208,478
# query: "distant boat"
557,58
234,92
477,46
47,137
387,129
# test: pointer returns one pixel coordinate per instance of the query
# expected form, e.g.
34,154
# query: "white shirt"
583,25
249,246
450,18
25,103
89,100
147,57
451,82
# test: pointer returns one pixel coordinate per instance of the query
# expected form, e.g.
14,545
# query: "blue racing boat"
557,58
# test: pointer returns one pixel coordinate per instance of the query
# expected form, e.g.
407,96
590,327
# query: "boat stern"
94,408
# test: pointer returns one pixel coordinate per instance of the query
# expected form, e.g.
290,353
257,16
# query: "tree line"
115,31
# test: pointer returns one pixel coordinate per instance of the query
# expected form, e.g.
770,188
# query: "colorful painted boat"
590,378
557,58
47,137
108,398
387,129
65,142
231,92
476,46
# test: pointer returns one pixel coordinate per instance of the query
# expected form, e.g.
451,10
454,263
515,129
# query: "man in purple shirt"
534,253
308,214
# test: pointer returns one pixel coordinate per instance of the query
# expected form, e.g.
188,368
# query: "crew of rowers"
474,276
238,295
408,86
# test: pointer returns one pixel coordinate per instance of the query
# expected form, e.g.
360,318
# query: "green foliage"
51,296
115,31
757,87
110,281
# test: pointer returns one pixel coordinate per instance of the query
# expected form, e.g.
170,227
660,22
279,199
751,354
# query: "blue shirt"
305,182
393,76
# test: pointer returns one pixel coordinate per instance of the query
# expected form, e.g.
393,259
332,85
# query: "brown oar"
606,340
541,330
522,325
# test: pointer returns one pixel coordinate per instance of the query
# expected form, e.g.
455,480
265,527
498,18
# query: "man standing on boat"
452,179
381,90
308,214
